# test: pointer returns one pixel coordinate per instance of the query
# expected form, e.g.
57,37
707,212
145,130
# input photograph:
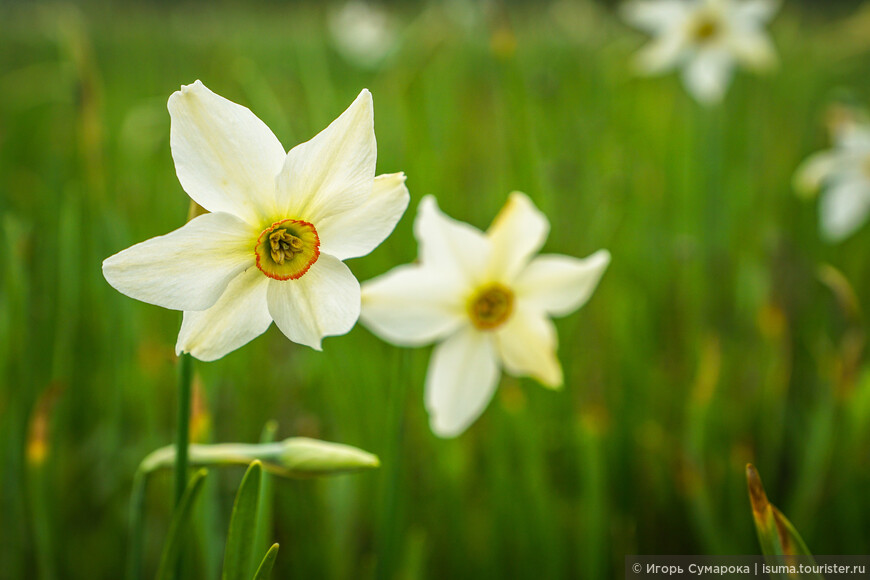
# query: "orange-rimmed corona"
287,249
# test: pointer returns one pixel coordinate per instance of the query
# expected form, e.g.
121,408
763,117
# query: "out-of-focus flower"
280,226
844,173
486,298
363,33
706,38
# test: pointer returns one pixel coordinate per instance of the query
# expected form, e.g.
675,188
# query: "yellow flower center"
704,29
287,249
491,306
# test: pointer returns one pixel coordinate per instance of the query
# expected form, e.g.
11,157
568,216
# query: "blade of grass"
243,522
179,529
264,571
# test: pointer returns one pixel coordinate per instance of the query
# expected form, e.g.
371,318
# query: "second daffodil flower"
704,37
486,298
279,226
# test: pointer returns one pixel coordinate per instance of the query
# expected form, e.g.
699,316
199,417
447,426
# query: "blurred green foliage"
716,337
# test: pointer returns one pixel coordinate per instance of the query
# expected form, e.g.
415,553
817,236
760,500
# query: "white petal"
527,346
516,234
358,231
225,157
660,54
559,285
187,269
844,208
753,49
325,301
412,306
655,15
854,138
450,246
707,75
756,11
238,317
334,171
815,170
460,382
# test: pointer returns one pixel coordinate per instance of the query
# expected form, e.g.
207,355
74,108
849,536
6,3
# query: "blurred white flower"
363,33
844,172
486,298
280,226
706,38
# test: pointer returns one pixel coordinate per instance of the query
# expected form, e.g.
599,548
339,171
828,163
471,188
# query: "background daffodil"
844,172
486,299
704,37
280,226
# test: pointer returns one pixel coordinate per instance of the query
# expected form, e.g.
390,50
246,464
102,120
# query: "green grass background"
712,340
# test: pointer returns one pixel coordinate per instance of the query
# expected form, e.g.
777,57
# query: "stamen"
287,249
491,306
704,29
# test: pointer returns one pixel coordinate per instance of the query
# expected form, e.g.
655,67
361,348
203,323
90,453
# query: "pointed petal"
527,346
559,285
844,209
855,139
238,317
756,11
815,170
754,49
334,171
654,15
707,75
460,382
450,246
661,54
516,234
187,269
358,231
323,302
225,157
412,306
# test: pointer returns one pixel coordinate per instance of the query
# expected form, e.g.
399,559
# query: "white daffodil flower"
844,172
704,37
280,226
486,298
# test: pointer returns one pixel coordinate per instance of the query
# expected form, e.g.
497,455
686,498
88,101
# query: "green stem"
137,522
185,376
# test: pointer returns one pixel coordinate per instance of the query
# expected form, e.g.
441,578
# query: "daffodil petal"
559,285
516,234
707,75
854,139
238,317
449,245
754,49
460,382
654,15
755,11
187,269
334,171
844,208
660,54
412,306
323,302
225,157
358,231
527,347
815,170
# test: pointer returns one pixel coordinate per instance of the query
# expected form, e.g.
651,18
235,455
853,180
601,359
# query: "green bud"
294,457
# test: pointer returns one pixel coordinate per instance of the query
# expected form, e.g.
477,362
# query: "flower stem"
137,526
185,376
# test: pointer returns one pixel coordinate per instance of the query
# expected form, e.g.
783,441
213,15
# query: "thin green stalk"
185,378
137,523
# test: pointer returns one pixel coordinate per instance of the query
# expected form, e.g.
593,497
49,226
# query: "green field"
725,331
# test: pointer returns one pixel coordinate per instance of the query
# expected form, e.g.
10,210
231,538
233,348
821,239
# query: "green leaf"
243,523
264,572
776,534
179,529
